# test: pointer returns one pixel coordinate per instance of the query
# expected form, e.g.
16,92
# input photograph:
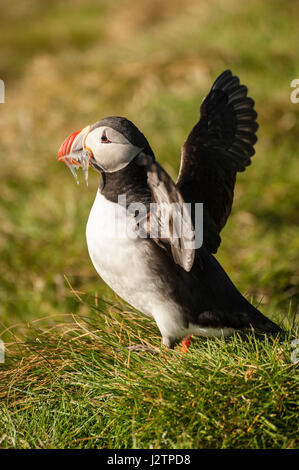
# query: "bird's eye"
104,138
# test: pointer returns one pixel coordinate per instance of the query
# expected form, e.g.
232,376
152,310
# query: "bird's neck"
130,181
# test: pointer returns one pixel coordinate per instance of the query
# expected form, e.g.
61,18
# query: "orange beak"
65,148
74,153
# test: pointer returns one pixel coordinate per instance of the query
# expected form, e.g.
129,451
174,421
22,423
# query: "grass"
78,387
69,63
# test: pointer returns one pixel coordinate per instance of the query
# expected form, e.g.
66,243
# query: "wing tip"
246,116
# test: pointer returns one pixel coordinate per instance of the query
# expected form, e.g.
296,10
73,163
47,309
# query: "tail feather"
228,306
259,322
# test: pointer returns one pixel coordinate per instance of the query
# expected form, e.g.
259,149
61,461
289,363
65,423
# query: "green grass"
70,63
79,387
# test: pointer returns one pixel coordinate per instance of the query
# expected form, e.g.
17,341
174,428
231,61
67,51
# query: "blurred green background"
69,63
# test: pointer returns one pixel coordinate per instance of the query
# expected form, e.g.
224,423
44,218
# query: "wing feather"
220,145
169,219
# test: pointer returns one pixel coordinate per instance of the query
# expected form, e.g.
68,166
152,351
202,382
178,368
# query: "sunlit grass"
70,63
75,384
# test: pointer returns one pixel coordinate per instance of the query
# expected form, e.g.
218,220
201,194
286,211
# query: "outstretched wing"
219,145
168,222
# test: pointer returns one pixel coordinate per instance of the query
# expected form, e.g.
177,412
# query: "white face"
110,149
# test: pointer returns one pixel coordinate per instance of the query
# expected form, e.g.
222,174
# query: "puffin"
153,241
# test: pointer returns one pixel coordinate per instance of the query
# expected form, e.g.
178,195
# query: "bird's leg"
168,342
185,344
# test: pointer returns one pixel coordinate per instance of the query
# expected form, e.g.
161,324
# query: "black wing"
219,145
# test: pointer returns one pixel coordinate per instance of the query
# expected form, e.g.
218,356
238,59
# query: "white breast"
122,261
114,255
125,265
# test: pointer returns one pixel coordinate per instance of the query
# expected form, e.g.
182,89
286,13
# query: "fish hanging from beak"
75,154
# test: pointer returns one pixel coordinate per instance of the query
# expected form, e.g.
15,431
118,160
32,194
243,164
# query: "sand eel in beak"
74,153
164,273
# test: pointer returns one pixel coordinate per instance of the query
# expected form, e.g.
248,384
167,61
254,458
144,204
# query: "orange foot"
185,344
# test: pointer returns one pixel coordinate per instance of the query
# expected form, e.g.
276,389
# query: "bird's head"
108,146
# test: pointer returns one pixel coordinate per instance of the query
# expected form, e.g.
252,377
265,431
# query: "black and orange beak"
75,154
66,148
